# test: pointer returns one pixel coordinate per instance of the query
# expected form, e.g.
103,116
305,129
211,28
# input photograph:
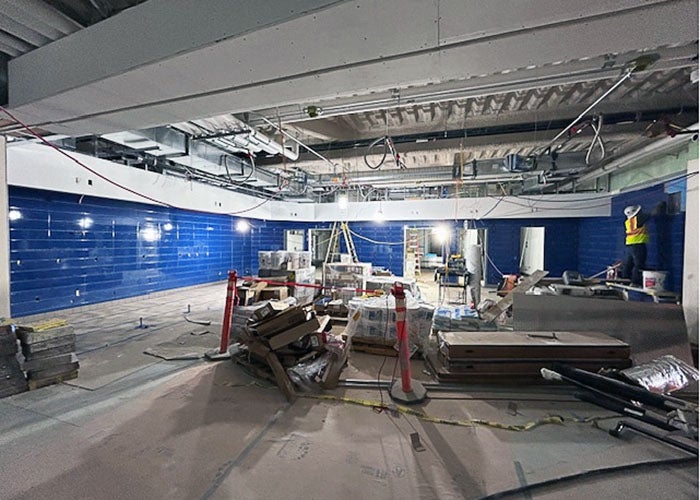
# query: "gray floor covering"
192,429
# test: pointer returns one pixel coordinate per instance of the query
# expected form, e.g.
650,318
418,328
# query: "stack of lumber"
279,338
49,352
509,356
12,380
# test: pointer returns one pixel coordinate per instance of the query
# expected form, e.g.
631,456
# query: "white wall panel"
691,284
38,166
4,235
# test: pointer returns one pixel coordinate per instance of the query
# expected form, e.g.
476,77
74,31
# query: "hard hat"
632,210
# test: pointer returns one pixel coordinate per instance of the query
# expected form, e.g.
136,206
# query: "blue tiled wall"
122,249
128,250
602,240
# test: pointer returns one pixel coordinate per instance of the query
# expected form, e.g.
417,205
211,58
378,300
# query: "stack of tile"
12,380
49,353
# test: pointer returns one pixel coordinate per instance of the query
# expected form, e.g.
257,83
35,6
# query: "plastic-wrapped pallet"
386,283
305,276
459,319
264,260
375,317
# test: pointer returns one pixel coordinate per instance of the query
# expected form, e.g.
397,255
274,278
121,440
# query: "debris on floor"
287,343
49,352
664,418
193,345
12,380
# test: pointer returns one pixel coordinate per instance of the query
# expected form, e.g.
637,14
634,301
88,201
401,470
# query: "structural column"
4,234
690,255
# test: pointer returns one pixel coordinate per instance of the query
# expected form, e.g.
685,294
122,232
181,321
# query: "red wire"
121,186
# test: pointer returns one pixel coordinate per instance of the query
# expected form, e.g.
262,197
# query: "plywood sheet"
517,344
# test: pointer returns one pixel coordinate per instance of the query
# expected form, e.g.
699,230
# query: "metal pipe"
290,136
627,74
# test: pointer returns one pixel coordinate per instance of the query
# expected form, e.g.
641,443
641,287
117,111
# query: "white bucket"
654,280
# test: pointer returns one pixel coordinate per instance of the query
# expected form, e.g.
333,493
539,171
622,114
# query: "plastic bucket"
654,280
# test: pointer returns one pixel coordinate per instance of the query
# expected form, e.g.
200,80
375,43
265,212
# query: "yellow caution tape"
550,419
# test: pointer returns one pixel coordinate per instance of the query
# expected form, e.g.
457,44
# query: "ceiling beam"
220,56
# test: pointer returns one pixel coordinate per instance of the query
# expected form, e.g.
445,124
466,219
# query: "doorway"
294,240
424,249
531,249
319,239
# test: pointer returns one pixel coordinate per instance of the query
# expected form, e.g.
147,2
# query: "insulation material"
375,317
663,375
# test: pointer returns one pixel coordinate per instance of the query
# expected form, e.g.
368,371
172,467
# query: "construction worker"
636,239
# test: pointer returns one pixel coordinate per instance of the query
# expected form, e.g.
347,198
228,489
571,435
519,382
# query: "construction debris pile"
289,344
49,353
12,380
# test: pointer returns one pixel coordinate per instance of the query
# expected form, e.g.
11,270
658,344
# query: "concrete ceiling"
494,78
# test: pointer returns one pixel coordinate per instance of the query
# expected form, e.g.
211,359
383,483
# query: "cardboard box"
272,308
294,334
274,292
282,321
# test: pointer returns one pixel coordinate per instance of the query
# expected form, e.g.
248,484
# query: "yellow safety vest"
635,235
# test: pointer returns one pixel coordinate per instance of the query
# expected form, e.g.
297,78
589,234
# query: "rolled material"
617,388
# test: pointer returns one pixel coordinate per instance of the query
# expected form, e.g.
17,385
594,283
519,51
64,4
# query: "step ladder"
338,229
413,246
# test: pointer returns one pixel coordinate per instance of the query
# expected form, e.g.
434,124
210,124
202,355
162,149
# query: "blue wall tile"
602,240
122,249
128,251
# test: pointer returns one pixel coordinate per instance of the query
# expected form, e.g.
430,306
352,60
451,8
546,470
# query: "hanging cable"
252,169
371,151
596,125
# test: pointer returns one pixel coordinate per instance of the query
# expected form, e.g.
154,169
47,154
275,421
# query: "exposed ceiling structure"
479,98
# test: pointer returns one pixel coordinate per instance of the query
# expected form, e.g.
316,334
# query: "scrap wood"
502,305
548,420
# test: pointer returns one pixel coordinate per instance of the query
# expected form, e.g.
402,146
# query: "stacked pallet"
509,356
12,380
49,353
282,340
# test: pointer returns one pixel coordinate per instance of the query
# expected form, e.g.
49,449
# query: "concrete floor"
136,427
